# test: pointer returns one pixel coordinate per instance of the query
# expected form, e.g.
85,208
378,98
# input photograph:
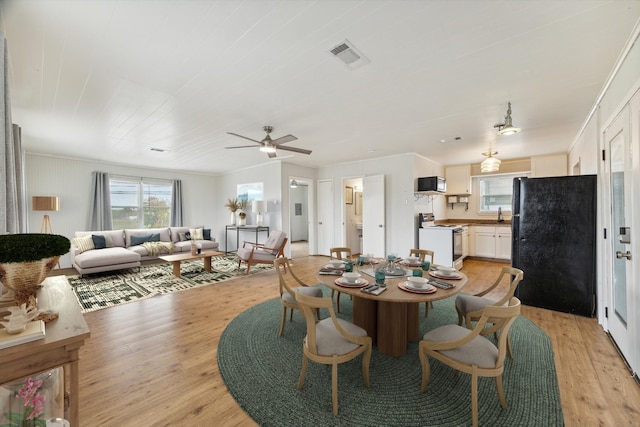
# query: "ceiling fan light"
267,148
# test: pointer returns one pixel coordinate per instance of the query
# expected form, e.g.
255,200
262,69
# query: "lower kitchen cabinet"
492,242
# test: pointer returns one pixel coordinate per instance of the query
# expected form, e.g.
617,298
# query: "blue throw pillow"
206,234
154,237
138,240
99,242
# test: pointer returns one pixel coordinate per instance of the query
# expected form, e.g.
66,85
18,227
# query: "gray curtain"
176,204
12,195
100,202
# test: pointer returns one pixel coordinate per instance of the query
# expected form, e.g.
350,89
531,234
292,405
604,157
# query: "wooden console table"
63,339
252,228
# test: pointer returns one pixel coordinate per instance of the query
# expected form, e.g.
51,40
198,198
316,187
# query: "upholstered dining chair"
339,253
290,286
423,254
331,341
264,253
470,352
469,307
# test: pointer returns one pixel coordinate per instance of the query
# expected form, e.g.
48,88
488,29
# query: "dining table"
392,318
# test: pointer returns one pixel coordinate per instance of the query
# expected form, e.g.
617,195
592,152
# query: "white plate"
450,273
358,281
425,288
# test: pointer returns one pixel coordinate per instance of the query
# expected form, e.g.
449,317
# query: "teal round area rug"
261,371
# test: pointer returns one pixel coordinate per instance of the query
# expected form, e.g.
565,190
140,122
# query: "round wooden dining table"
391,319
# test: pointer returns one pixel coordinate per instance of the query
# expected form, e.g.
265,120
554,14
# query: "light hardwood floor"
153,362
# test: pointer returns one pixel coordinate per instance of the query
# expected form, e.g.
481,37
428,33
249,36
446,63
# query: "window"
140,203
496,192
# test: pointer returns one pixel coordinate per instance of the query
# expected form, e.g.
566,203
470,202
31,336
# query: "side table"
63,339
252,228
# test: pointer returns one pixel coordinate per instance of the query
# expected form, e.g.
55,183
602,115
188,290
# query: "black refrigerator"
554,242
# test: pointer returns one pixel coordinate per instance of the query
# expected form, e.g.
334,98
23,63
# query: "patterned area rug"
251,348
102,290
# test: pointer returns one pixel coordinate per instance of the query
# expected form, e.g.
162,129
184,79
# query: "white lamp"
507,128
258,207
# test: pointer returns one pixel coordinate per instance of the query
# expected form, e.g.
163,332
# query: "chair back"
499,318
422,254
276,242
516,277
286,275
308,306
340,253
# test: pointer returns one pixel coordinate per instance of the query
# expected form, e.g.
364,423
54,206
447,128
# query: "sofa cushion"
138,240
274,241
107,256
196,233
258,254
99,242
206,233
164,234
175,233
84,243
112,237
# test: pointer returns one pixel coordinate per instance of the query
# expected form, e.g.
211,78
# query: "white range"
446,243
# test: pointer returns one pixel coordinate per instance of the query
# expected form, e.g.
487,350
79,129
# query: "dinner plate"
332,267
359,283
445,277
411,264
407,286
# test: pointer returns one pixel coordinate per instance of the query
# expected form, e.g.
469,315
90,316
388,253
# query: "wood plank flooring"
153,362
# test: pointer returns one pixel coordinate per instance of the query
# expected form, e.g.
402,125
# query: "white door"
325,217
616,138
373,216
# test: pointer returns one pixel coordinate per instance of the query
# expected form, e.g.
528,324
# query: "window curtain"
100,202
13,218
176,204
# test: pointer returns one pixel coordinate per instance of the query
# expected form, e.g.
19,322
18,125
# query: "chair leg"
460,316
509,349
338,301
318,314
334,384
284,318
291,315
303,371
426,370
474,397
366,361
426,308
500,388
248,268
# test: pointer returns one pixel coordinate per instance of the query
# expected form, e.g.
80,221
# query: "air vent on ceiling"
349,55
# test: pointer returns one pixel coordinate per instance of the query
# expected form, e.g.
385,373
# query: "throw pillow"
187,235
108,240
83,243
99,242
206,234
182,237
154,237
196,233
138,240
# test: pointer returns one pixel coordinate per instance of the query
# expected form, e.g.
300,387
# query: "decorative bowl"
418,282
351,277
337,263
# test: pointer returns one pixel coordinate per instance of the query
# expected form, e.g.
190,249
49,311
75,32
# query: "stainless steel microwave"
432,183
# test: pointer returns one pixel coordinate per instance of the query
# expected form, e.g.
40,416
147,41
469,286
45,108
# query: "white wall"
70,179
585,150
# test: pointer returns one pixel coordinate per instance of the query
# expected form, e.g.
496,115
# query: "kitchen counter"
469,222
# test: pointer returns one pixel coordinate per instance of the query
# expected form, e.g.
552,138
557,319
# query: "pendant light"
507,128
490,164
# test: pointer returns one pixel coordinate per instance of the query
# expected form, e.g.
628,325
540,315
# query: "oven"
457,248
446,243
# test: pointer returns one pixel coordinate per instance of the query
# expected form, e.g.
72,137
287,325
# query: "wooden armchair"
331,341
339,253
470,352
265,253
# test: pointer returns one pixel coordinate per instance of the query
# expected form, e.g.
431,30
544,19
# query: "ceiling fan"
269,146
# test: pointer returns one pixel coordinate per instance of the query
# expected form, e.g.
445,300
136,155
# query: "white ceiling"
109,80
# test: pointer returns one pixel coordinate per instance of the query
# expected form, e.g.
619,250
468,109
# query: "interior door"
325,217
616,138
373,216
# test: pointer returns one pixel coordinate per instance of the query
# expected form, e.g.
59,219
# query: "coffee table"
176,259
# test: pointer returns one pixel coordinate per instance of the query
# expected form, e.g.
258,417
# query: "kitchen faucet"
500,219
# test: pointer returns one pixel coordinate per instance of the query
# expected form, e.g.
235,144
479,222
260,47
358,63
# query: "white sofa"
123,249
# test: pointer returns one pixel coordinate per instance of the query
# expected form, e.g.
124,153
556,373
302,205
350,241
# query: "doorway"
352,214
299,212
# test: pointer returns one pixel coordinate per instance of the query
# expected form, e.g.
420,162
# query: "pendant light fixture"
507,128
490,164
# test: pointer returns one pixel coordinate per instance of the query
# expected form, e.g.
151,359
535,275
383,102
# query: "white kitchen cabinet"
492,242
503,243
458,179
485,242
465,242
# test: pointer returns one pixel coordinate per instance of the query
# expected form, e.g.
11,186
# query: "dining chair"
265,253
331,341
470,352
422,254
339,253
290,286
469,307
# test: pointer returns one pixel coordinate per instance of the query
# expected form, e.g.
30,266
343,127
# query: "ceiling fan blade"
240,136
243,146
294,149
283,139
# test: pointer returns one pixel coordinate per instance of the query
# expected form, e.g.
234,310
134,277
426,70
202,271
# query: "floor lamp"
46,204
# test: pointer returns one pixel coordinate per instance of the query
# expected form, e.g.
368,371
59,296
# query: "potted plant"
25,261
233,205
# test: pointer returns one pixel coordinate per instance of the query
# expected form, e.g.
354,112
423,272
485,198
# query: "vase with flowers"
233,205
30,402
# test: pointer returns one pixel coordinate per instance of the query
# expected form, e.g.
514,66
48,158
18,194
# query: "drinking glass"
426,265
417,273
380,277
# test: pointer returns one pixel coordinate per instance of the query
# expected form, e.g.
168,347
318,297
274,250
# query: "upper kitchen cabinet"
545,166
458,179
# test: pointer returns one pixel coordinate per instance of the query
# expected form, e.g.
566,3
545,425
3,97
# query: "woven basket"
24,278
